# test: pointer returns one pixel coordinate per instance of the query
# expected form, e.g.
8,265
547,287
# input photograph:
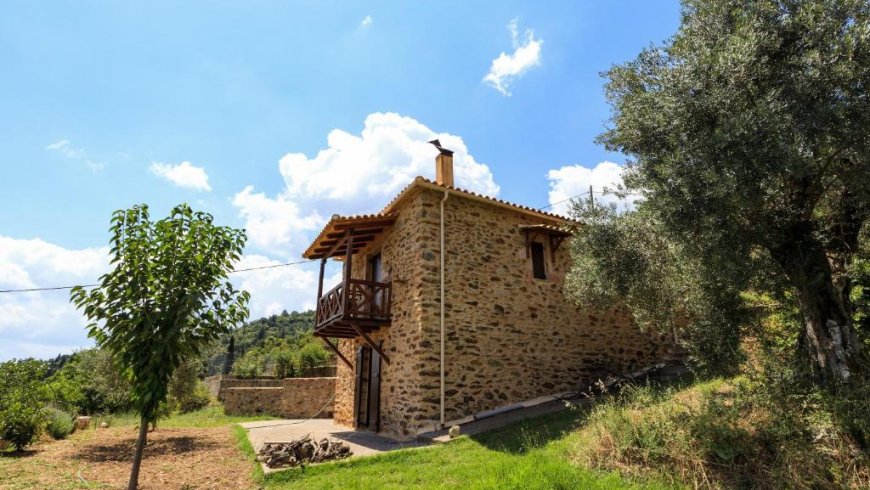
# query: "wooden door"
368,388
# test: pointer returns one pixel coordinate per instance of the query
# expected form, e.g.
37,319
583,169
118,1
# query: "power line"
603,192
57,288
274,266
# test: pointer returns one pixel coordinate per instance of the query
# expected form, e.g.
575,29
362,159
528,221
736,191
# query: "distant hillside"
254,333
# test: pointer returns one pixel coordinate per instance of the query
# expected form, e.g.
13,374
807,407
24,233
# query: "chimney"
443,165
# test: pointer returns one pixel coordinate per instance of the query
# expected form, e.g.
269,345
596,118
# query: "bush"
285,364
60,424
90,383
186,391
282,358
22,401
722,434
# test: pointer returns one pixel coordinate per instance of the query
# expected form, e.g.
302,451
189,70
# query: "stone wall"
509,337
405,256
292,398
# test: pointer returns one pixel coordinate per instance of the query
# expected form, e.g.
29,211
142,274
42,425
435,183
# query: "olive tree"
749,133
166,298
627,257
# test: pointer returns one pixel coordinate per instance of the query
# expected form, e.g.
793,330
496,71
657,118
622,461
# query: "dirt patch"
174,458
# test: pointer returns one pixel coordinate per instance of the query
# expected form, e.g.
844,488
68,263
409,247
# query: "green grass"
211,416
244,445
532,454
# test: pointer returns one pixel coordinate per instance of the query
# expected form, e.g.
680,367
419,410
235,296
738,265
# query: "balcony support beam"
337,352
370,342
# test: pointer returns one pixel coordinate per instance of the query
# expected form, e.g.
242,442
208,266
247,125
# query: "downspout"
443,289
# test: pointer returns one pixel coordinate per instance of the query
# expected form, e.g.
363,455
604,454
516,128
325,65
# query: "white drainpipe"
443,288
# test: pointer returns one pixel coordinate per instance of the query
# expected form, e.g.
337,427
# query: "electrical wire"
58,288
604,192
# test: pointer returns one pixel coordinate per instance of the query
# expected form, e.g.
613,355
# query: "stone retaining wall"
218,384
292,398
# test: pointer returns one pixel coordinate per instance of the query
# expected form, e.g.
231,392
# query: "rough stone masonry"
509,336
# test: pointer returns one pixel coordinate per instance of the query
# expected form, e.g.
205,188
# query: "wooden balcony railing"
355,300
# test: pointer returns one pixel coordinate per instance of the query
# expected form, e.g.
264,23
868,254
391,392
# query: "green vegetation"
89,383
283,358
746,134
60,423
22,402
721,434
244,445
254,334
207,417
165,300
532,454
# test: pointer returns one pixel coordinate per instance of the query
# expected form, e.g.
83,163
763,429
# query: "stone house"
451,306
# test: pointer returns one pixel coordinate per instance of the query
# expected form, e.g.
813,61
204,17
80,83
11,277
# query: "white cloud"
44,323
282,288
273,224
353,174
65,148
574,180
367,21
183,175
508,67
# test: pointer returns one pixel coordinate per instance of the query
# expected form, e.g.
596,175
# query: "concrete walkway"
361,443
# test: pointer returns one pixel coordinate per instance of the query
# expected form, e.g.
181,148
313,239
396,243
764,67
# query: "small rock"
104,425
454,432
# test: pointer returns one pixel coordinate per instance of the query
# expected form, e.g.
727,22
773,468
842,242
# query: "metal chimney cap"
444,151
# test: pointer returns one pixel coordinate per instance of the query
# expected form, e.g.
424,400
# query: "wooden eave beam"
332,235
361,225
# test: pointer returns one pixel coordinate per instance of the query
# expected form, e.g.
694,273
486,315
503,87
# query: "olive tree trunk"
137,458
833,349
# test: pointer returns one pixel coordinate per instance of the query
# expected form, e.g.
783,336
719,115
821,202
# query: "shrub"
60,424
248,367
284,364
90,383
723,434
22,401
313,354
187,392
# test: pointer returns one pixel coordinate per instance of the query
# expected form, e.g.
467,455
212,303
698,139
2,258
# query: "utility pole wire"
57,288
604,192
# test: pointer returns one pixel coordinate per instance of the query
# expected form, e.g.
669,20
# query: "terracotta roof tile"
422,180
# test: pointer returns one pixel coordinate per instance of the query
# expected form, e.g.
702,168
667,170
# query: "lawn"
205,449
530,455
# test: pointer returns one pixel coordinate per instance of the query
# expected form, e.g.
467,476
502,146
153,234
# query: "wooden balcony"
353,305
356,307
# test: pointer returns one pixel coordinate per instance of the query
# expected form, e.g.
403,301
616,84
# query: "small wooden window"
539,270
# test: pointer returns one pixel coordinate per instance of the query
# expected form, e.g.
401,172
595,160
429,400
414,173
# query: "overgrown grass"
528,455
718,434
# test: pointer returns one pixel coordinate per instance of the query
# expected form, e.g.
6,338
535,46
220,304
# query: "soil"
101,458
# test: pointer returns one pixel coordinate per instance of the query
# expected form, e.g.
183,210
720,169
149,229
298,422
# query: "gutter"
443,289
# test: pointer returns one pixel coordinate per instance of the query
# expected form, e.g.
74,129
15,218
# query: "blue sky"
285,112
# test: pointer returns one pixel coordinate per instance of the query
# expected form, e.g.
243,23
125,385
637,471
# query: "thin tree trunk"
137,458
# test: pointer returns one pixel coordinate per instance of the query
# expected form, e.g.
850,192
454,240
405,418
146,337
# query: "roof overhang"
332,241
